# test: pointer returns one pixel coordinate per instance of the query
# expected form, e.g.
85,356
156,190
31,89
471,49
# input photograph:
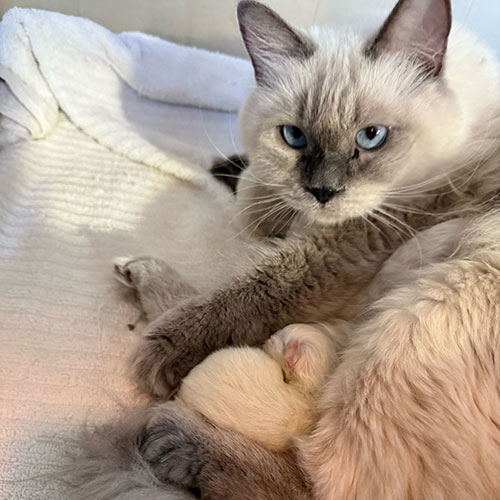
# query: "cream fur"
417,391
265,394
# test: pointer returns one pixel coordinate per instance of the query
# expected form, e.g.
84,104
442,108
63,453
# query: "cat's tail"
106,465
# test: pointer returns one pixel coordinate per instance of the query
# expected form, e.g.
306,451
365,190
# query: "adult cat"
337,128
436,153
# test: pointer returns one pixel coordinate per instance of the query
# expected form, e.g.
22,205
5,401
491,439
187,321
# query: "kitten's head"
337,123
304,352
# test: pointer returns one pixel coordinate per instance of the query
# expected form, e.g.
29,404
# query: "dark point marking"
311,161
228,170
196,492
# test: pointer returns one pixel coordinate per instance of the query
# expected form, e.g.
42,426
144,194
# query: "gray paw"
168,351
157,286
171,445
138,272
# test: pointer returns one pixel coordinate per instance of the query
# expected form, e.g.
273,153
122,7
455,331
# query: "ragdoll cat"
367,137
394,129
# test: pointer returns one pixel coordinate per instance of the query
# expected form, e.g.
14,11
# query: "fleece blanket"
104,144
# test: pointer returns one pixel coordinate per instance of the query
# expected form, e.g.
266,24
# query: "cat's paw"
156,285
171,346
139,272
172,445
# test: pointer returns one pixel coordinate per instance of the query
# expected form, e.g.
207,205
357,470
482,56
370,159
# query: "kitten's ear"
420,28
268,38
292,353
302,359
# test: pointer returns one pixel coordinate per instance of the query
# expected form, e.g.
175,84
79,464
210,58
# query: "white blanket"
96,161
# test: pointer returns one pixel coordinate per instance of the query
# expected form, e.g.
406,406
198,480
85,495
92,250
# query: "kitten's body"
411,411
265,394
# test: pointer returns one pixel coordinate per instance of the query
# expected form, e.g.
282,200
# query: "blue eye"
372,137
293,136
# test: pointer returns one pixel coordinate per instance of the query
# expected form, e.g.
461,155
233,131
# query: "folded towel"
53,62
95,184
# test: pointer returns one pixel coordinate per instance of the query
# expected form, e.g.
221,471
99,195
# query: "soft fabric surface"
95,162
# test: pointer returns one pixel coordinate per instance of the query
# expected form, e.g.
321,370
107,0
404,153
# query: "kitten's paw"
171,443
156,285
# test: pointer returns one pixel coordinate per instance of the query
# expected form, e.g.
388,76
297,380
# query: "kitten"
367,138
265,394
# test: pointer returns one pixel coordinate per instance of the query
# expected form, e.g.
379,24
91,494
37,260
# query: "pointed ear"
268,38
419,28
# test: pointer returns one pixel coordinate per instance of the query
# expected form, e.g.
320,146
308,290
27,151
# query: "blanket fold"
52,62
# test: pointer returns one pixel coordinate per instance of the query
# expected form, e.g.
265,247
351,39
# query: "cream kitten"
265,394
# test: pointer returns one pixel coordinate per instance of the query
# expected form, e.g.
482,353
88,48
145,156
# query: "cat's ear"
419,28
269,38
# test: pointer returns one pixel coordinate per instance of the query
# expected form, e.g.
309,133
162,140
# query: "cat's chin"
322,218
359,203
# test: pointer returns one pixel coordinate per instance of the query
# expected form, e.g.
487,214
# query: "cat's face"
339,126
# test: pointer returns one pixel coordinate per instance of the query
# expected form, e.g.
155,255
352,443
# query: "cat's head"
338,123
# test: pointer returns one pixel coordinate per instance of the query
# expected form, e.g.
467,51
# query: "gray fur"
297,281
256,23
181,446
424,38
109,465
156,285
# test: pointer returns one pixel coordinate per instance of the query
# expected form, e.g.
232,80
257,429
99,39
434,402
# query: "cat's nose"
322,194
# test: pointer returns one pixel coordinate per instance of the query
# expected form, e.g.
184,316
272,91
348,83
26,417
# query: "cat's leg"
312,280
184,449
156,286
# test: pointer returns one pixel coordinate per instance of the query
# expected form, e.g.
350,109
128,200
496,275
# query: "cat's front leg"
184,449
313,281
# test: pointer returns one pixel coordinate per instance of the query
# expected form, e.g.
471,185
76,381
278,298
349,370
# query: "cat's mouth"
323,194
346,203
316,198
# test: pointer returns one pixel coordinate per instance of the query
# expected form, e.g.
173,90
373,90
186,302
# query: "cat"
440,127
367,138
265,394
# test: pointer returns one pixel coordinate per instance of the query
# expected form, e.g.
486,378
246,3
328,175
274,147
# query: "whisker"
259,220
